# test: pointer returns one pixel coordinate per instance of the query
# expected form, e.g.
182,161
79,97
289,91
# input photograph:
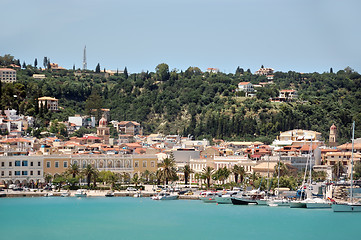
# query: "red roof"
243,83
288,90
91,137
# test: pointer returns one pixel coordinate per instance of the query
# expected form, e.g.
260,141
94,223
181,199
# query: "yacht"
247,198
165,196
80,193
65,194
350,206
226,197
278,202
208,197
318,203
109,194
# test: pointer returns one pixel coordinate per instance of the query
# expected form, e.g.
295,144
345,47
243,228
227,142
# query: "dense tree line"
195,103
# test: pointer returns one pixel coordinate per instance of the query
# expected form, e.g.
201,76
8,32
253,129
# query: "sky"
287,35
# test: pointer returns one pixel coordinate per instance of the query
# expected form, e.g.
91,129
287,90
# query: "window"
152,164
17,173
17,163
48,164
136,164
10,173
2,173
65,164
31,173
10,164
24,173
31,164
38,172
2,164
144,163
25,163
39,164
56,164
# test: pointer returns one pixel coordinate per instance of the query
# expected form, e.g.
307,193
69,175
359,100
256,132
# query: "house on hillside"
247,88
286,96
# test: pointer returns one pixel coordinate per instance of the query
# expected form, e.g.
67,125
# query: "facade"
49,102
333,136
246,87
7,75
212,70
333,158
264,71
82,121
21,169
56,164
129,128
103,131
286,96
144,162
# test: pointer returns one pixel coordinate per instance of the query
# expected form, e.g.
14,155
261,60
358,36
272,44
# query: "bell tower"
333,136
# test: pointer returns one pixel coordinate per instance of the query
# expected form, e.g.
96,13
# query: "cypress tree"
97,68
35,62
125,73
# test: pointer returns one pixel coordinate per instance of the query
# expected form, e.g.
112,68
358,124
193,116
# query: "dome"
333,127
103,122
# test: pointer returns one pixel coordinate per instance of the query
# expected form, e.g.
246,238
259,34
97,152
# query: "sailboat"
349,207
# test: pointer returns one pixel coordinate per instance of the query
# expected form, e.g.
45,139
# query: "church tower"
333,136
103,130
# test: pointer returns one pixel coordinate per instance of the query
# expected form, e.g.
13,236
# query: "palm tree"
221,174
167,167
207,173
48,177
146,174
187,171
283,169
338,170
88,172
238,172
73,170
136,180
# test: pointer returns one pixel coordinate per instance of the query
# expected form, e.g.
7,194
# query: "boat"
298,204
165,196
247,198
350,206
226,197
109,194
319,203
49,195
65,194
208,197
279,202
80,193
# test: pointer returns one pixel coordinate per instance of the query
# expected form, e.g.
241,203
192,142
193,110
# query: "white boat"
349,207
109,194
49,195
65,194
279,202
208,197
318,203
298,204
80,193
165,196
226,197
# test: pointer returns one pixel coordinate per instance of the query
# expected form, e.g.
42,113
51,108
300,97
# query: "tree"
35,62
187,171
162,71
357,170
262,66
89,173
48,178
125,73
338,169
73,67
167,167
207,173
221,174
59,180
238,172
331,70
73,170
136,180
45,62
97,68
24,65
283,169
94,102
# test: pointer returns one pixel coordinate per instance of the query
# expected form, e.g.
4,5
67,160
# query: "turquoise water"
141,218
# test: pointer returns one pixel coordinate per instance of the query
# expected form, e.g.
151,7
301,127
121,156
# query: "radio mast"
84,59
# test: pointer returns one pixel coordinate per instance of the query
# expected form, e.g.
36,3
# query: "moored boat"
226,197
80,193
346,207
208,197
109,194
165,196
298,204
278,202
318,203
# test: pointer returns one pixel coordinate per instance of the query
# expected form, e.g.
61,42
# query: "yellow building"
56,164
144,162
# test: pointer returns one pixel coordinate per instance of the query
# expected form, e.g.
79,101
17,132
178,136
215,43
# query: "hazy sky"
299,35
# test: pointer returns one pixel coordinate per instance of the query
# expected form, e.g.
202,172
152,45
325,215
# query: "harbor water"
142,218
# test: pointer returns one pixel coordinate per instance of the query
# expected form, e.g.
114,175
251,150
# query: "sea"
142,218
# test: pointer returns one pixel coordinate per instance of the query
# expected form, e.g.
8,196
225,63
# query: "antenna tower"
84,59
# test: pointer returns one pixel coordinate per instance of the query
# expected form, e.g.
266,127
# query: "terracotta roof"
243,83
288,90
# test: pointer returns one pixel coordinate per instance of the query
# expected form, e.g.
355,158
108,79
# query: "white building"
49,102
7,75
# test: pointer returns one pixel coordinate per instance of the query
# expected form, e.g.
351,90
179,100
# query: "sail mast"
353,139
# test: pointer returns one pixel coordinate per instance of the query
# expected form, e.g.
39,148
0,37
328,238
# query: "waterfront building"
334,158
7,75
21,169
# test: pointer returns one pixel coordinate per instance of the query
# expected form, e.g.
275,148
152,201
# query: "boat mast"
311,163
278,181
268,175
353,139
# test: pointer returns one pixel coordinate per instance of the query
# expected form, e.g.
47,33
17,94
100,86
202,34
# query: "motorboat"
109,194
65,194
319,203
49,194
346,207
225,198
298,204
165,196
279,202
208,197
80,193
247,198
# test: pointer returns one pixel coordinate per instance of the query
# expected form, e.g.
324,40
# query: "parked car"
131,189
